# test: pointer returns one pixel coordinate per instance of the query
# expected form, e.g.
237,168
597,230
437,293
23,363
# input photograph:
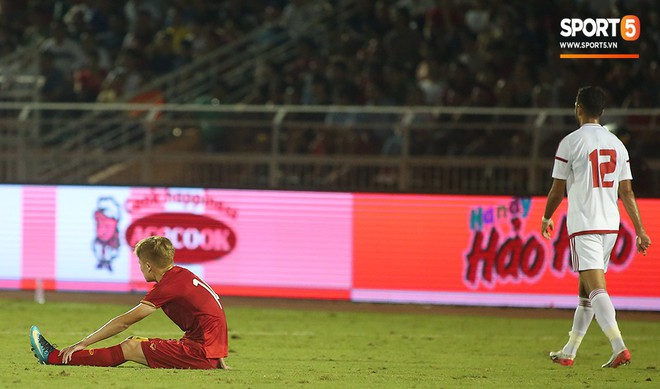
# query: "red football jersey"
194,307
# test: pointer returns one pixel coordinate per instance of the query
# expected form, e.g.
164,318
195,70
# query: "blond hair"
156,249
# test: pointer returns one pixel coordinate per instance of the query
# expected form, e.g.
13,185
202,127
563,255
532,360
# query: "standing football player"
592,165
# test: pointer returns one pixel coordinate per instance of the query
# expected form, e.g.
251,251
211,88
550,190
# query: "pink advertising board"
287,244
459,250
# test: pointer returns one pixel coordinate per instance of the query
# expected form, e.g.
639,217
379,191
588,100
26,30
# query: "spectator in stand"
459,84
402,43
542,97
161,54
242,14
57,84
178,29
39,17
336,138
422,134
652,75
75,20
416,8
477,17
142,33
393,144
373,128
206,38
339,75
124,81
67,53
214,137
186,53
317,93
89,44
113,38
308,71
265,76
87,81
133,9
271,28
431,82
7,43
56,88
131,64
95,14
639,167
523,83
298,15
112,89
397,82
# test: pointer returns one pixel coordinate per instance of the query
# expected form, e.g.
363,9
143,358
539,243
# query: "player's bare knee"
130,345
132,349
592,280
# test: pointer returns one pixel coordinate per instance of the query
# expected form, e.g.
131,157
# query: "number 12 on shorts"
600,169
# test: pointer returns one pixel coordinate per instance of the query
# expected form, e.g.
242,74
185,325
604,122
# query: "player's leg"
132,349
48,354
594,283
605,315
581,321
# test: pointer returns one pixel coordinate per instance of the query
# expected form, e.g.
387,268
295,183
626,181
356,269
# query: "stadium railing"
357,148
21,59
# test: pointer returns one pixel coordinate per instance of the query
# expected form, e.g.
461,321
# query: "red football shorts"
176,354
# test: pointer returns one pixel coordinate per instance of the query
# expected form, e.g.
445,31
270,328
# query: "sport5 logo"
196,238
628,27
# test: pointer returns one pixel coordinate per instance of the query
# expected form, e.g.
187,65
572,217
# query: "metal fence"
356,148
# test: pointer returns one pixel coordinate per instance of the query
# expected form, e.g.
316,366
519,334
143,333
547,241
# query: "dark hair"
592,100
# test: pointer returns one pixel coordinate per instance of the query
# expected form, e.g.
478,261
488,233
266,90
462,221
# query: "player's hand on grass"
223,365
643,242
547,226
67,352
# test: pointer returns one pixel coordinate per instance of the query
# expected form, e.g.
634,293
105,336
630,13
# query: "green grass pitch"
308,348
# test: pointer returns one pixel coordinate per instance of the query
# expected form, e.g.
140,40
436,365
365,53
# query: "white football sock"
581,320
606,317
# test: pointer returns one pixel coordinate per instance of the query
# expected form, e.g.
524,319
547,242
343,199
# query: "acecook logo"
196,238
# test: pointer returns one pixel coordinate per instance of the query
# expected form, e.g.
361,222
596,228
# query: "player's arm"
111,328
627,196
555,197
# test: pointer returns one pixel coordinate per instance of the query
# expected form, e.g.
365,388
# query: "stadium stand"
362,53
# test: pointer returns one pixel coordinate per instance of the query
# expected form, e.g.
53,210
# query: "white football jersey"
592,161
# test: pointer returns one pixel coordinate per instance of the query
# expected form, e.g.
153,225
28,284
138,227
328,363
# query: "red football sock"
111,356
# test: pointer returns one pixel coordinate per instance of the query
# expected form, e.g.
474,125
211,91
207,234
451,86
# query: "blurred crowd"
476,53
465,53
435,52
99,50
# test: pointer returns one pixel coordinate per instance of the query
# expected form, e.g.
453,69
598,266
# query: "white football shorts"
591,251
